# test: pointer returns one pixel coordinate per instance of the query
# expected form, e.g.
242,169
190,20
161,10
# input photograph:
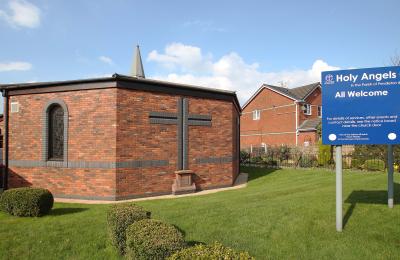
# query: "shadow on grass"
190,242
66,211
193,243
257,172
368,197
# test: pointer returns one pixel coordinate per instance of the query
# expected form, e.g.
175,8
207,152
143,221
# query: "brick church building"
281,116
119,137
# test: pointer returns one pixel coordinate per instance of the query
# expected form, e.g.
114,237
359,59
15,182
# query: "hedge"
27,202
119,217
152,239
210,252
324,154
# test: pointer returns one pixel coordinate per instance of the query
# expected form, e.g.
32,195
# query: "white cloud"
106,60
15,66
229,72
183,57
21,14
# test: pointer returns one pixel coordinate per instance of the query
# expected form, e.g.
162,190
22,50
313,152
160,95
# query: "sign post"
390,176
339,189
360,106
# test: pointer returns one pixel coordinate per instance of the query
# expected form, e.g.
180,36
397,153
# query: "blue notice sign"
361,106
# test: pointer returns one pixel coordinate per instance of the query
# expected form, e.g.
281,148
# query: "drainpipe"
238,142
5,168
297,122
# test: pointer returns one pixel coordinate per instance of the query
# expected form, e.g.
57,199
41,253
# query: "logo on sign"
329,79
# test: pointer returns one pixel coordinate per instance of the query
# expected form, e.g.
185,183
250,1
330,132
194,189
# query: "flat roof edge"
113,78
29,88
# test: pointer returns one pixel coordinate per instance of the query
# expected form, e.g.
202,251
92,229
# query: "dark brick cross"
183,119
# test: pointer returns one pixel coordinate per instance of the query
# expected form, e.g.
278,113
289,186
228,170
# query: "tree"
395,60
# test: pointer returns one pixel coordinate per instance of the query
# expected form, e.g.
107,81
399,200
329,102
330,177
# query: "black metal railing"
368,158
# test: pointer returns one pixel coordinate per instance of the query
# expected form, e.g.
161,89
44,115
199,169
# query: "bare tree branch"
395,60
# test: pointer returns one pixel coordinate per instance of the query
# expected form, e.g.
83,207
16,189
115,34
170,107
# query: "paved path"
241,181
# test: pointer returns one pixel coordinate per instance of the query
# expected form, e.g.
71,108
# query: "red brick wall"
140,140
215,141
277,124
311,137
315,99
91,137
112,125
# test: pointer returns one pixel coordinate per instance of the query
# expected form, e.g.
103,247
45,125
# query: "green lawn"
281,214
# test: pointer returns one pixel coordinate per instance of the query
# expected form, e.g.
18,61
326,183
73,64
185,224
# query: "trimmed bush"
324,154
244,157
268,160
152,239
374,165
284,153
27,202
255,159
356,164
205,252
119,218
345,164
308,161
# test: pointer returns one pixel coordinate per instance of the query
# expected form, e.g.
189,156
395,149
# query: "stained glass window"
56,133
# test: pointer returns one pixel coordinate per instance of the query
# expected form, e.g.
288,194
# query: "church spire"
137,66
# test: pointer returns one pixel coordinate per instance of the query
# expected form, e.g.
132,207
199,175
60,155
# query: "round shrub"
152,239
119,218
27,202
205,252
374,165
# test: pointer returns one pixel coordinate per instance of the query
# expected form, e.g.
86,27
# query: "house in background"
281,116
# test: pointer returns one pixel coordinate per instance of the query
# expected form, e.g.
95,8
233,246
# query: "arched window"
56,133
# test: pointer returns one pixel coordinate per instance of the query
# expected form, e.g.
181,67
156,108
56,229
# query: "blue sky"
234,45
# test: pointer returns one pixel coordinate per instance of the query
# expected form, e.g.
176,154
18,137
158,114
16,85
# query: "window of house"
14,107
264,147
56,133
307,109
319,111
256,114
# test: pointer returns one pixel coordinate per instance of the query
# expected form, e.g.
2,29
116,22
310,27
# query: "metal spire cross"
183,119
137,66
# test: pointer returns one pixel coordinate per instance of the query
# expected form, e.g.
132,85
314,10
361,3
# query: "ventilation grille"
14,107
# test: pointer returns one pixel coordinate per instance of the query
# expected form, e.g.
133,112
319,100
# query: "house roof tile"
310,124
297,94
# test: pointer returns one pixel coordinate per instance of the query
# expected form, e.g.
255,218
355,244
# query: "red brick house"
277,115
119,137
